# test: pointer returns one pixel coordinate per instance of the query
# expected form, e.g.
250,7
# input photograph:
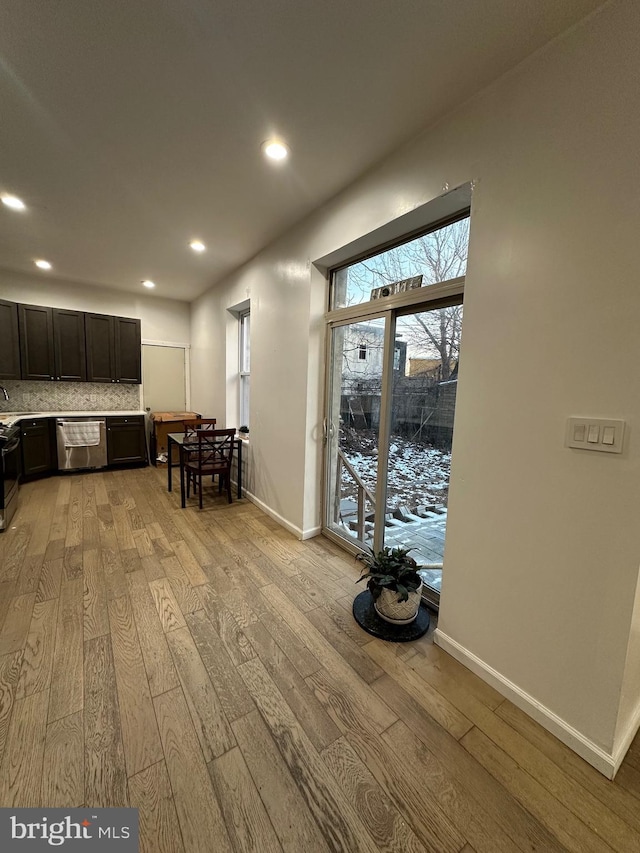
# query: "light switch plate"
589,434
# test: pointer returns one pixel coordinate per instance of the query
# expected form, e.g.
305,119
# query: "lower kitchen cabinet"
126,440
39,454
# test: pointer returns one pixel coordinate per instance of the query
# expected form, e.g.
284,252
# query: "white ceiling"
131,126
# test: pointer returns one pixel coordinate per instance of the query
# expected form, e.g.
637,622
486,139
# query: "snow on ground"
418,472
418,476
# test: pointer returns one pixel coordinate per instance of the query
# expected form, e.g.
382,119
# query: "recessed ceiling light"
43,265
148,283
197,245
13,202
275,149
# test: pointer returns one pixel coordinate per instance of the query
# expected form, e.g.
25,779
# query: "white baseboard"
311,532
297,531
606,763
625,742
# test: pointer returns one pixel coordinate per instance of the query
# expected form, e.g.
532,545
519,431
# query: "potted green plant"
394,583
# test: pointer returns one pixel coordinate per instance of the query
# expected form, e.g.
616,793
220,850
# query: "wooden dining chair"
192,426
190,443
212,456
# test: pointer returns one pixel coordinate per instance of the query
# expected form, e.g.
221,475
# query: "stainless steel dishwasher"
82,443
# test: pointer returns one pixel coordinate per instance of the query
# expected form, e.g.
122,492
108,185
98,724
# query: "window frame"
244,365
385,246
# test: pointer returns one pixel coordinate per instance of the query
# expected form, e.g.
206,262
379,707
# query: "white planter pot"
398,612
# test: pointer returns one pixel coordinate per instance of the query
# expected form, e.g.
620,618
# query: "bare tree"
437,334
442,254
438,256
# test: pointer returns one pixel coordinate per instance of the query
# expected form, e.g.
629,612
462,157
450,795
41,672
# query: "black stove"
10,469
7,432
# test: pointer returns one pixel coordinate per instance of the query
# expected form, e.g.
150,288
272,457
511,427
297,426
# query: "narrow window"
362,352
245,366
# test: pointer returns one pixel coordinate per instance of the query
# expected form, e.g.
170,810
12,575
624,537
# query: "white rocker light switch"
595,434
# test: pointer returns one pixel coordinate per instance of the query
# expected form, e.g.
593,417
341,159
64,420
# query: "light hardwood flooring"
205,667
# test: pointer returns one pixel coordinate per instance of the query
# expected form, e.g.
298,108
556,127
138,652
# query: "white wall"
543,545
160,319
279,302
629,716
541,537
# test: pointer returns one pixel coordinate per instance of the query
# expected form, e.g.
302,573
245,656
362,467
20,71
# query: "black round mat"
366,616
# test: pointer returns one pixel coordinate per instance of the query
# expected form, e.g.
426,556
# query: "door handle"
328,430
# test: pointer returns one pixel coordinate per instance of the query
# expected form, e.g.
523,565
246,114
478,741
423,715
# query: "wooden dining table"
178,438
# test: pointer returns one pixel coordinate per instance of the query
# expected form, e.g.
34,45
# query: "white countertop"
12,417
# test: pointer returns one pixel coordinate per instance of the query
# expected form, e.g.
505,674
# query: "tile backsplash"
69,397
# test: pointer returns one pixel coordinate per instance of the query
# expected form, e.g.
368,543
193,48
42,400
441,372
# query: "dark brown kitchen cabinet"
126,440
128,343
9,341
100,348
69,345
36,342
52,343
113,349
39,454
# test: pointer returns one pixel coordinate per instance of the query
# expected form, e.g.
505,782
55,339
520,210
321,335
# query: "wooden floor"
205,668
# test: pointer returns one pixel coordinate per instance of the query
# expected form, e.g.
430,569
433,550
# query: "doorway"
392,377
164,380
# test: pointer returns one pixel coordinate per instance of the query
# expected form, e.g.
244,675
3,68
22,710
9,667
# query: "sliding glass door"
394,329
423,385
389,426
352,428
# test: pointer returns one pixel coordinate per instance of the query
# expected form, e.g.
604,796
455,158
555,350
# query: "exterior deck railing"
363,494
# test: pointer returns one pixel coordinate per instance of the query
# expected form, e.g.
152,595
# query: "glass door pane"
423,395
353,423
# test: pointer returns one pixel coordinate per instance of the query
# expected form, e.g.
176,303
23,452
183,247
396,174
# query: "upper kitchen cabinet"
36,342
113,349
100,348
9,341
52,344
69,345
128,346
